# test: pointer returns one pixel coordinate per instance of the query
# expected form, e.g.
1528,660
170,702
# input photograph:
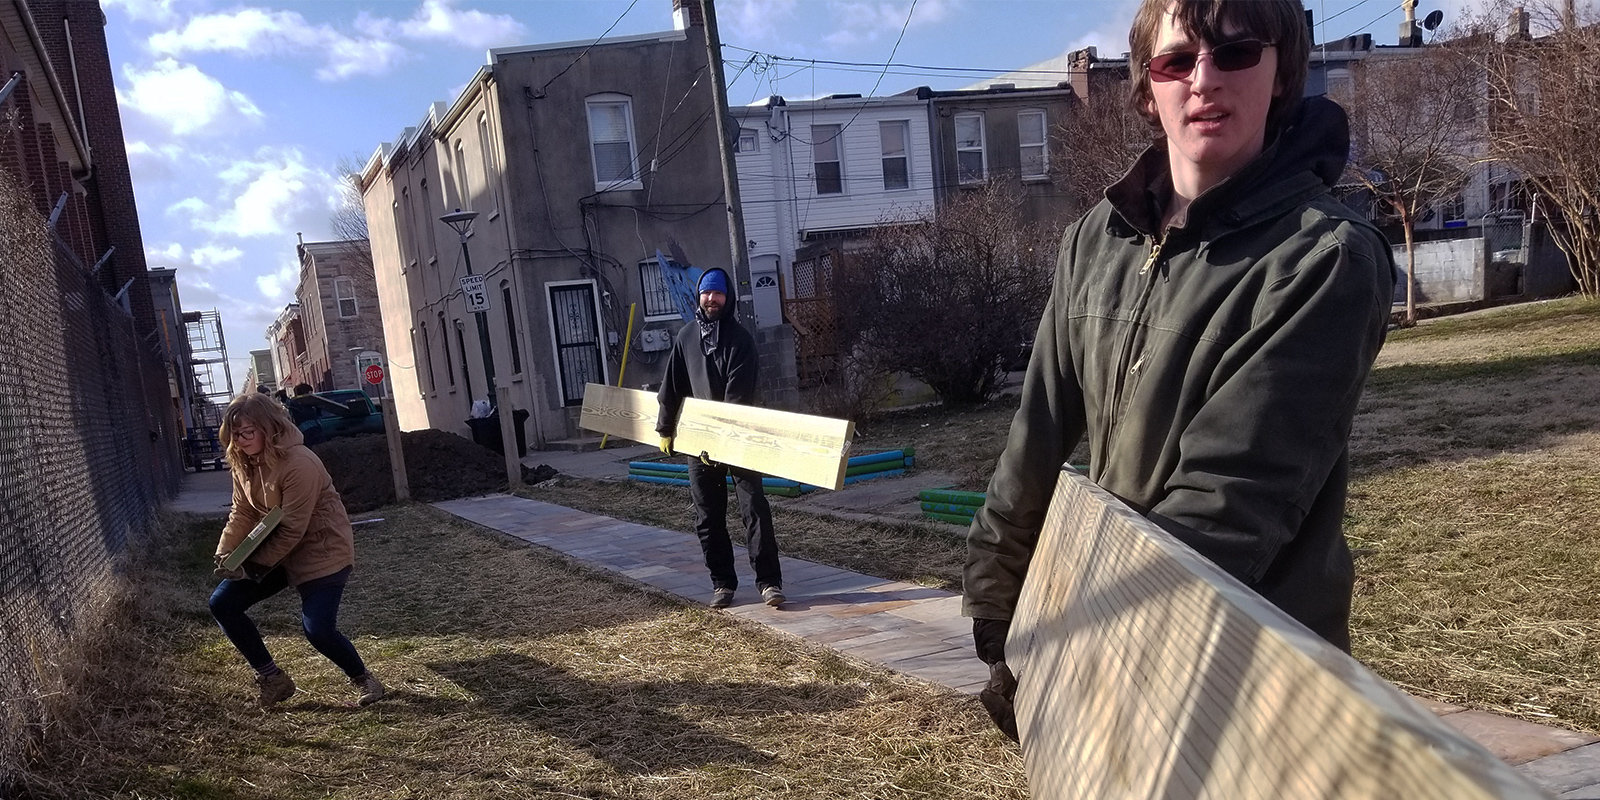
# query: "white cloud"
862,22
183,99
144,10
441,21
755,21
278,286
212,255
268,195
172,252
257,32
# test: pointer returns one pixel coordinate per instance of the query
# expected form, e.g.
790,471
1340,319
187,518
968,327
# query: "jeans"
319,617
708,489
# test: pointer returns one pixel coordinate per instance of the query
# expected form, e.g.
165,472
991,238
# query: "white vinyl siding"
611,143
1031,140
892,138
971,160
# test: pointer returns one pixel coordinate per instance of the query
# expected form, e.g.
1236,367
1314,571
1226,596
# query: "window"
461,178
653,285
892,136
461,347
1032,141
427,358
444,344
427,222
344,290
611,143
825,159
970,159
747,141
410,225
491,169
511,327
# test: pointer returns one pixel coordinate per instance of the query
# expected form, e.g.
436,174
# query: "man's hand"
997,699
666,445
989,639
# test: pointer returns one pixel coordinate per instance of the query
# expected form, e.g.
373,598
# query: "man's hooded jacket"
1215,368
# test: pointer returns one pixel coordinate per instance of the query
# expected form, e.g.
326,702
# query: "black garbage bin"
486,431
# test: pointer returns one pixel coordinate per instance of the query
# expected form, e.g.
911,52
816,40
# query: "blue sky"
237,115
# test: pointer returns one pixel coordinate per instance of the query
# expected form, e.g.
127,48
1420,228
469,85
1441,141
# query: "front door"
575,321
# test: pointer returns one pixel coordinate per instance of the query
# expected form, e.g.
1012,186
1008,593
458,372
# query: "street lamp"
461,222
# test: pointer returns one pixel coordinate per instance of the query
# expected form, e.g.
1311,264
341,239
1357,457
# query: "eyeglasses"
1230,57
245,433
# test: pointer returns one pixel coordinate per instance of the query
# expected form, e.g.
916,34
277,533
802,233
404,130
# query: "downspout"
73,136
83,121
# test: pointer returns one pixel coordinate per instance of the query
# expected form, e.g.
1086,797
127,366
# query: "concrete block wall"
779,384
1447,272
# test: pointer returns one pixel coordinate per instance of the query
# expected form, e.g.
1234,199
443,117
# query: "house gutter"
78,156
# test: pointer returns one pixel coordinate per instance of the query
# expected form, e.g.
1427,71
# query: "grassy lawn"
1472,509
513,674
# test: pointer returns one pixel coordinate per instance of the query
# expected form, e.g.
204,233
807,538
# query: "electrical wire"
586,49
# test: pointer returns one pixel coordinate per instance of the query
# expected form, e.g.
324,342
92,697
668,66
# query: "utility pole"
730,178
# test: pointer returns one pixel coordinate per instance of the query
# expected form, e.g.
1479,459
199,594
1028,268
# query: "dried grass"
513,673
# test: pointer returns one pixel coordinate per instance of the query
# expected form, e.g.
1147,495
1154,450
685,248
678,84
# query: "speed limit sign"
477,298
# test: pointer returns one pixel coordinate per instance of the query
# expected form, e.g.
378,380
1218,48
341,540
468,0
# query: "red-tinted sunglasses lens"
1230,57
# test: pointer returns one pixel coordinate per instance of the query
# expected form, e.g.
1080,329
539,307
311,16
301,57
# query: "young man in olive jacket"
714,358
1210,329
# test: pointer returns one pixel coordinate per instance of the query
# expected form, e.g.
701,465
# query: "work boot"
371,690
275,688
772,596
722,598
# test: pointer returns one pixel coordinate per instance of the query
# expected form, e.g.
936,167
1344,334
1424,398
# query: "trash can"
486,431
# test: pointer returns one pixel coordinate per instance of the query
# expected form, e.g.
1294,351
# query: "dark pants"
319,617
708,488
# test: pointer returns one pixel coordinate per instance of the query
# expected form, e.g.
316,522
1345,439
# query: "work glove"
989,639
705,459
666,445
235,574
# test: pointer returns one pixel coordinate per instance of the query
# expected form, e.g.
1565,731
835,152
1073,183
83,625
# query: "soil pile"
439,466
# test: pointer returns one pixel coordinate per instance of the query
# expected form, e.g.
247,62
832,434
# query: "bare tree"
1103,137
349,219
951,300
1543,74
1417,128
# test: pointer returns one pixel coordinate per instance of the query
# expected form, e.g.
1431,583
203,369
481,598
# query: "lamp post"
461,222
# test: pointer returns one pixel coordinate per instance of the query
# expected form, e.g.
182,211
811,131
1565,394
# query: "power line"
587,49
1375,21
877,65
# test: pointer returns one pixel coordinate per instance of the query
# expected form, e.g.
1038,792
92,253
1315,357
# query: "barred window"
653,285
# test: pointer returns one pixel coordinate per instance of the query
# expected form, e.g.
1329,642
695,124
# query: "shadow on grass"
638,727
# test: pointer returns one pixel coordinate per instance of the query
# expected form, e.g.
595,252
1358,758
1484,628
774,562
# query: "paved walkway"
916,630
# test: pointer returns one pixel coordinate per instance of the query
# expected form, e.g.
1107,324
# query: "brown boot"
275,688
371,690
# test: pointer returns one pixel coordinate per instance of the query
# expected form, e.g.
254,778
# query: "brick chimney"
1518,28
687,14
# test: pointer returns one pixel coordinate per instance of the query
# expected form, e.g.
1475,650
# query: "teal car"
338,412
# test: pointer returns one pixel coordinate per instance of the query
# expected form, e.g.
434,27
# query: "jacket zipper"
1124,371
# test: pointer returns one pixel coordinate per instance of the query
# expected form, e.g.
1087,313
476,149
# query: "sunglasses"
1230,57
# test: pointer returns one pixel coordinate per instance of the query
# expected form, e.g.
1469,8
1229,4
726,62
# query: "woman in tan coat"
311,549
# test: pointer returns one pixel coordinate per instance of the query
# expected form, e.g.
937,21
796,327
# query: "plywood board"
1147,672
628,413
800,447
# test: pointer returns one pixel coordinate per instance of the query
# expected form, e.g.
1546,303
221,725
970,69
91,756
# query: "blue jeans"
319,617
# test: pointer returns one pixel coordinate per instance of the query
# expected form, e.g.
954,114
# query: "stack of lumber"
949,505
859,468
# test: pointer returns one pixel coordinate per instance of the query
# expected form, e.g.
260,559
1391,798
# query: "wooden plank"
801,447
1147,672
628,413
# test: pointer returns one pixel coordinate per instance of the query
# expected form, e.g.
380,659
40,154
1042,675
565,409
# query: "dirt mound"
439,466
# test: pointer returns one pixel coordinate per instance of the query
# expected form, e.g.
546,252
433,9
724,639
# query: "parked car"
339,412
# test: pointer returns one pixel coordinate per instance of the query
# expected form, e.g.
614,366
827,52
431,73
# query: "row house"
551,183
339,316
286,338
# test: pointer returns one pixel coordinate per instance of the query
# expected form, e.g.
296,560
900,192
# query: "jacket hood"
1309,154
730,309
290,438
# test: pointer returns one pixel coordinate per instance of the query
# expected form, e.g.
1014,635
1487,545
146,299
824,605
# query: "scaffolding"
212,382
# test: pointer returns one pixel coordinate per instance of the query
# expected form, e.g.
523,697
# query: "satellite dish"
1434,18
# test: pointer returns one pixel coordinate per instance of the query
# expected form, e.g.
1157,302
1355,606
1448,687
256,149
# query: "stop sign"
374,374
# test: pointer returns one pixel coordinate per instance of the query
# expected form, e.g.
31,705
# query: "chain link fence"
88,450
